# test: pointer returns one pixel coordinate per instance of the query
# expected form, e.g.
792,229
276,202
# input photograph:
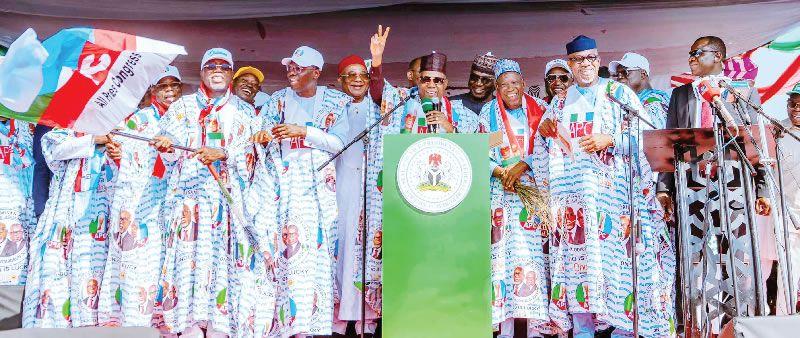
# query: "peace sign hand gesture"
377,43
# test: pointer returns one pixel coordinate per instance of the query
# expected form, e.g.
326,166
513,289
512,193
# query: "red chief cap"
351,60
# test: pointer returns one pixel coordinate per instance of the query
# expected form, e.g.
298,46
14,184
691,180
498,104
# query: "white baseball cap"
305,56
630,60
557,63
218,54
169,71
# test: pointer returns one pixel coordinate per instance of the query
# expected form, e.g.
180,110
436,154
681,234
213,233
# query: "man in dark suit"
687,110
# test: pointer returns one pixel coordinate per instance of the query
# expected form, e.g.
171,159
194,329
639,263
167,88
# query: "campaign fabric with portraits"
293,210
202,233
590,243
655,103
16,205
518,238
70,242
137,227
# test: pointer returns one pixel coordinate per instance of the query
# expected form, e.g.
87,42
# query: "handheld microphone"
431,104
711,95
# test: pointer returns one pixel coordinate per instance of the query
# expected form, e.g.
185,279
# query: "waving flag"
85,79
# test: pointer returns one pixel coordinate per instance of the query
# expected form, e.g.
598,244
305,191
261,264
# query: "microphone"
745,116
431,104
711,95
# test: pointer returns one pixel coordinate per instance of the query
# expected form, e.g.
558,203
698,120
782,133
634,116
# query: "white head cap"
630,60
219,54
305,56
557,63
169,71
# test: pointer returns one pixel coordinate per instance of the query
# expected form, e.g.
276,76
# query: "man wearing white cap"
557,78
218,124
141,188
302,126
634,71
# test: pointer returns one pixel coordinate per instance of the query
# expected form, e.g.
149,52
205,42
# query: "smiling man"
590,187
306,123
688,110
557,78
481,83
516,115
138,199
218,124
634,71
247,84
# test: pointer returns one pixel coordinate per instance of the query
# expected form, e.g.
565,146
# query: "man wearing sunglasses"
448,116
142,184
687,109
247,85
361,113
481,83
516,115
557,78
219,124
634,71
588,180
302,126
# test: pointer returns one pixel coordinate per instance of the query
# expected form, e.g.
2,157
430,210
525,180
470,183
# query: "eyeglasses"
580,59
434,79
211,66
623,73
354,76
481,79
552,78
697,52
293,68
172,85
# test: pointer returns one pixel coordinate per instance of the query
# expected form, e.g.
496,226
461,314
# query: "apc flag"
85,79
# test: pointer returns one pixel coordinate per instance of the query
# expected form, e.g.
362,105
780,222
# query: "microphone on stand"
711,95
745,117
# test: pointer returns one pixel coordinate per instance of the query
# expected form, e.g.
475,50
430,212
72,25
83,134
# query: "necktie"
706,118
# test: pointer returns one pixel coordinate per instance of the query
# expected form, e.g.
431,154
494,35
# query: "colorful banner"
80,78
436,262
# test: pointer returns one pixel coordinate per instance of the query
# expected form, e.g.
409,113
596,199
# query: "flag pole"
237,215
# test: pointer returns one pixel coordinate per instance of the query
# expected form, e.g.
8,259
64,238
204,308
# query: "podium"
719,263
436,266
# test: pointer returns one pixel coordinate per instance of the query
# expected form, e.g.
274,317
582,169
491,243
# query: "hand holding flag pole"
237,214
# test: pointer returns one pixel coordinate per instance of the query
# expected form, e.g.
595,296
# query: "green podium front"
436,262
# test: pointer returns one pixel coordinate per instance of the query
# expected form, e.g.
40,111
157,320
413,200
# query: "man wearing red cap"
362,112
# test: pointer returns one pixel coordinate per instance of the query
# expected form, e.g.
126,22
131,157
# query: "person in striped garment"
519,237
590,262
634,71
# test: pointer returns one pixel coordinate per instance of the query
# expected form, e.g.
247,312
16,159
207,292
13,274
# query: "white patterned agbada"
137,227
590,243
293,210
519,238
16,205
201,240
69,245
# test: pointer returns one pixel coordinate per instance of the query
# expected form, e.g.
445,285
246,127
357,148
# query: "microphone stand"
631,115
360,136
781,219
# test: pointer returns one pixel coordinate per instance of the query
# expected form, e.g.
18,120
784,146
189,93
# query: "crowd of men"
244,237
